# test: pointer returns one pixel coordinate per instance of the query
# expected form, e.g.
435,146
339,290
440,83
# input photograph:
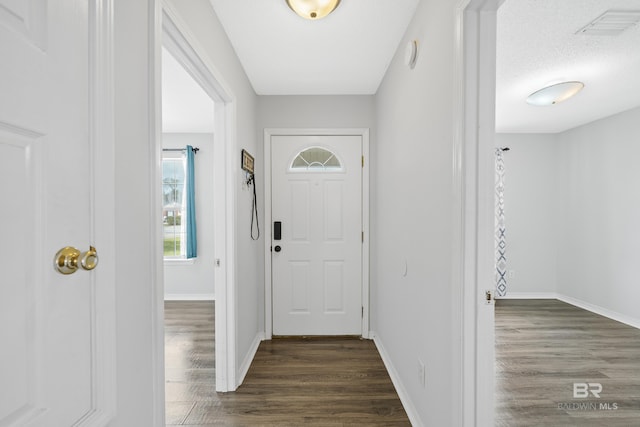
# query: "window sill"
178,261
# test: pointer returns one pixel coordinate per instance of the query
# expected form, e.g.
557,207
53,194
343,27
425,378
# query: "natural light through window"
174,205
316,159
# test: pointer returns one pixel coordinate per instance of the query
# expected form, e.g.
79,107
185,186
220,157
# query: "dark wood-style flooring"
291,382
189,357
543,347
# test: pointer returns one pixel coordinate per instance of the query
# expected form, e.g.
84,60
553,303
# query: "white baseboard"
409,408
189,297
529,295
246,363
622,318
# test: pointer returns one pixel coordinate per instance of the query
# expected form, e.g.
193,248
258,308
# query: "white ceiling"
537,46
186,108
347,52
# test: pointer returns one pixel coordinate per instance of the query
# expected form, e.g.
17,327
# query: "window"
174,205
316,159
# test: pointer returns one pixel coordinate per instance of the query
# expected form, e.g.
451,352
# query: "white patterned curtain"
500,237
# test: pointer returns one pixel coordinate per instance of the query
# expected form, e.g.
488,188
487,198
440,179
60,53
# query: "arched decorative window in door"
316,159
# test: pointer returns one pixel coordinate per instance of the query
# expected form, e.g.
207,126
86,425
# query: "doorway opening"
173,36
188,239
570,221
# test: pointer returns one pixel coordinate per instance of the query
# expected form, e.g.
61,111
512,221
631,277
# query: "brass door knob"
66,260
89,259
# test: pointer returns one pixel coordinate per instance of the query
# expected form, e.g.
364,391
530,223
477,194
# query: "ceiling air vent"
611,23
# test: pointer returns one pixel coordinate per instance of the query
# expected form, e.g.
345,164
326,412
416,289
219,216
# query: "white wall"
249,283
355,111
599,240
411,217
531,211
572,214
195,280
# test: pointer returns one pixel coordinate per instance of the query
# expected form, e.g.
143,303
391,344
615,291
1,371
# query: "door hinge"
488,297
363,237
362,161
362,312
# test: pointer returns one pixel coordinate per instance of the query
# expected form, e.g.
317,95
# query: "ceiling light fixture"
313,9
554,94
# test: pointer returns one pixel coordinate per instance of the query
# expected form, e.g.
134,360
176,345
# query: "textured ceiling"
538,45
348,52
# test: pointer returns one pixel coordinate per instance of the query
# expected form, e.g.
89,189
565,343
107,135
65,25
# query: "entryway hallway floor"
291,382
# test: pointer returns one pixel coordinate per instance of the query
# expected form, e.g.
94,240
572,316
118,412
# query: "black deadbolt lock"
277,230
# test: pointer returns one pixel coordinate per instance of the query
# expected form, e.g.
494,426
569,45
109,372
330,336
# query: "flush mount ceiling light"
554,94
313,9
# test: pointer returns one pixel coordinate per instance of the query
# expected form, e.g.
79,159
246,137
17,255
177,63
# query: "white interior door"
48,321
316,198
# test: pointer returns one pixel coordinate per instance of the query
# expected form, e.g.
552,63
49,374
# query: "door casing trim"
268,133
102,163
472,256
169,29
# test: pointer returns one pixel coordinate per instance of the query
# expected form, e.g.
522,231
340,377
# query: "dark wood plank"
543,347
291,382
189,354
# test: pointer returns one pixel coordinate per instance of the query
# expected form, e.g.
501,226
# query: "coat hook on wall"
247,166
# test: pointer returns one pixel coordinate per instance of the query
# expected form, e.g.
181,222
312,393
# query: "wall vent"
611,23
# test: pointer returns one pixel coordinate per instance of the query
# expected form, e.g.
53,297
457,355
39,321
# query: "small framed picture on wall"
247,161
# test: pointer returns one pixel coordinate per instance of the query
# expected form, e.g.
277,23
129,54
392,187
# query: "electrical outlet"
422,374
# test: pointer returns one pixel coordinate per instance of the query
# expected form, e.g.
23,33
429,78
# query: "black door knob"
277,248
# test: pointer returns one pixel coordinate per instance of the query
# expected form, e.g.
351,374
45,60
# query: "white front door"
51,368
316,198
